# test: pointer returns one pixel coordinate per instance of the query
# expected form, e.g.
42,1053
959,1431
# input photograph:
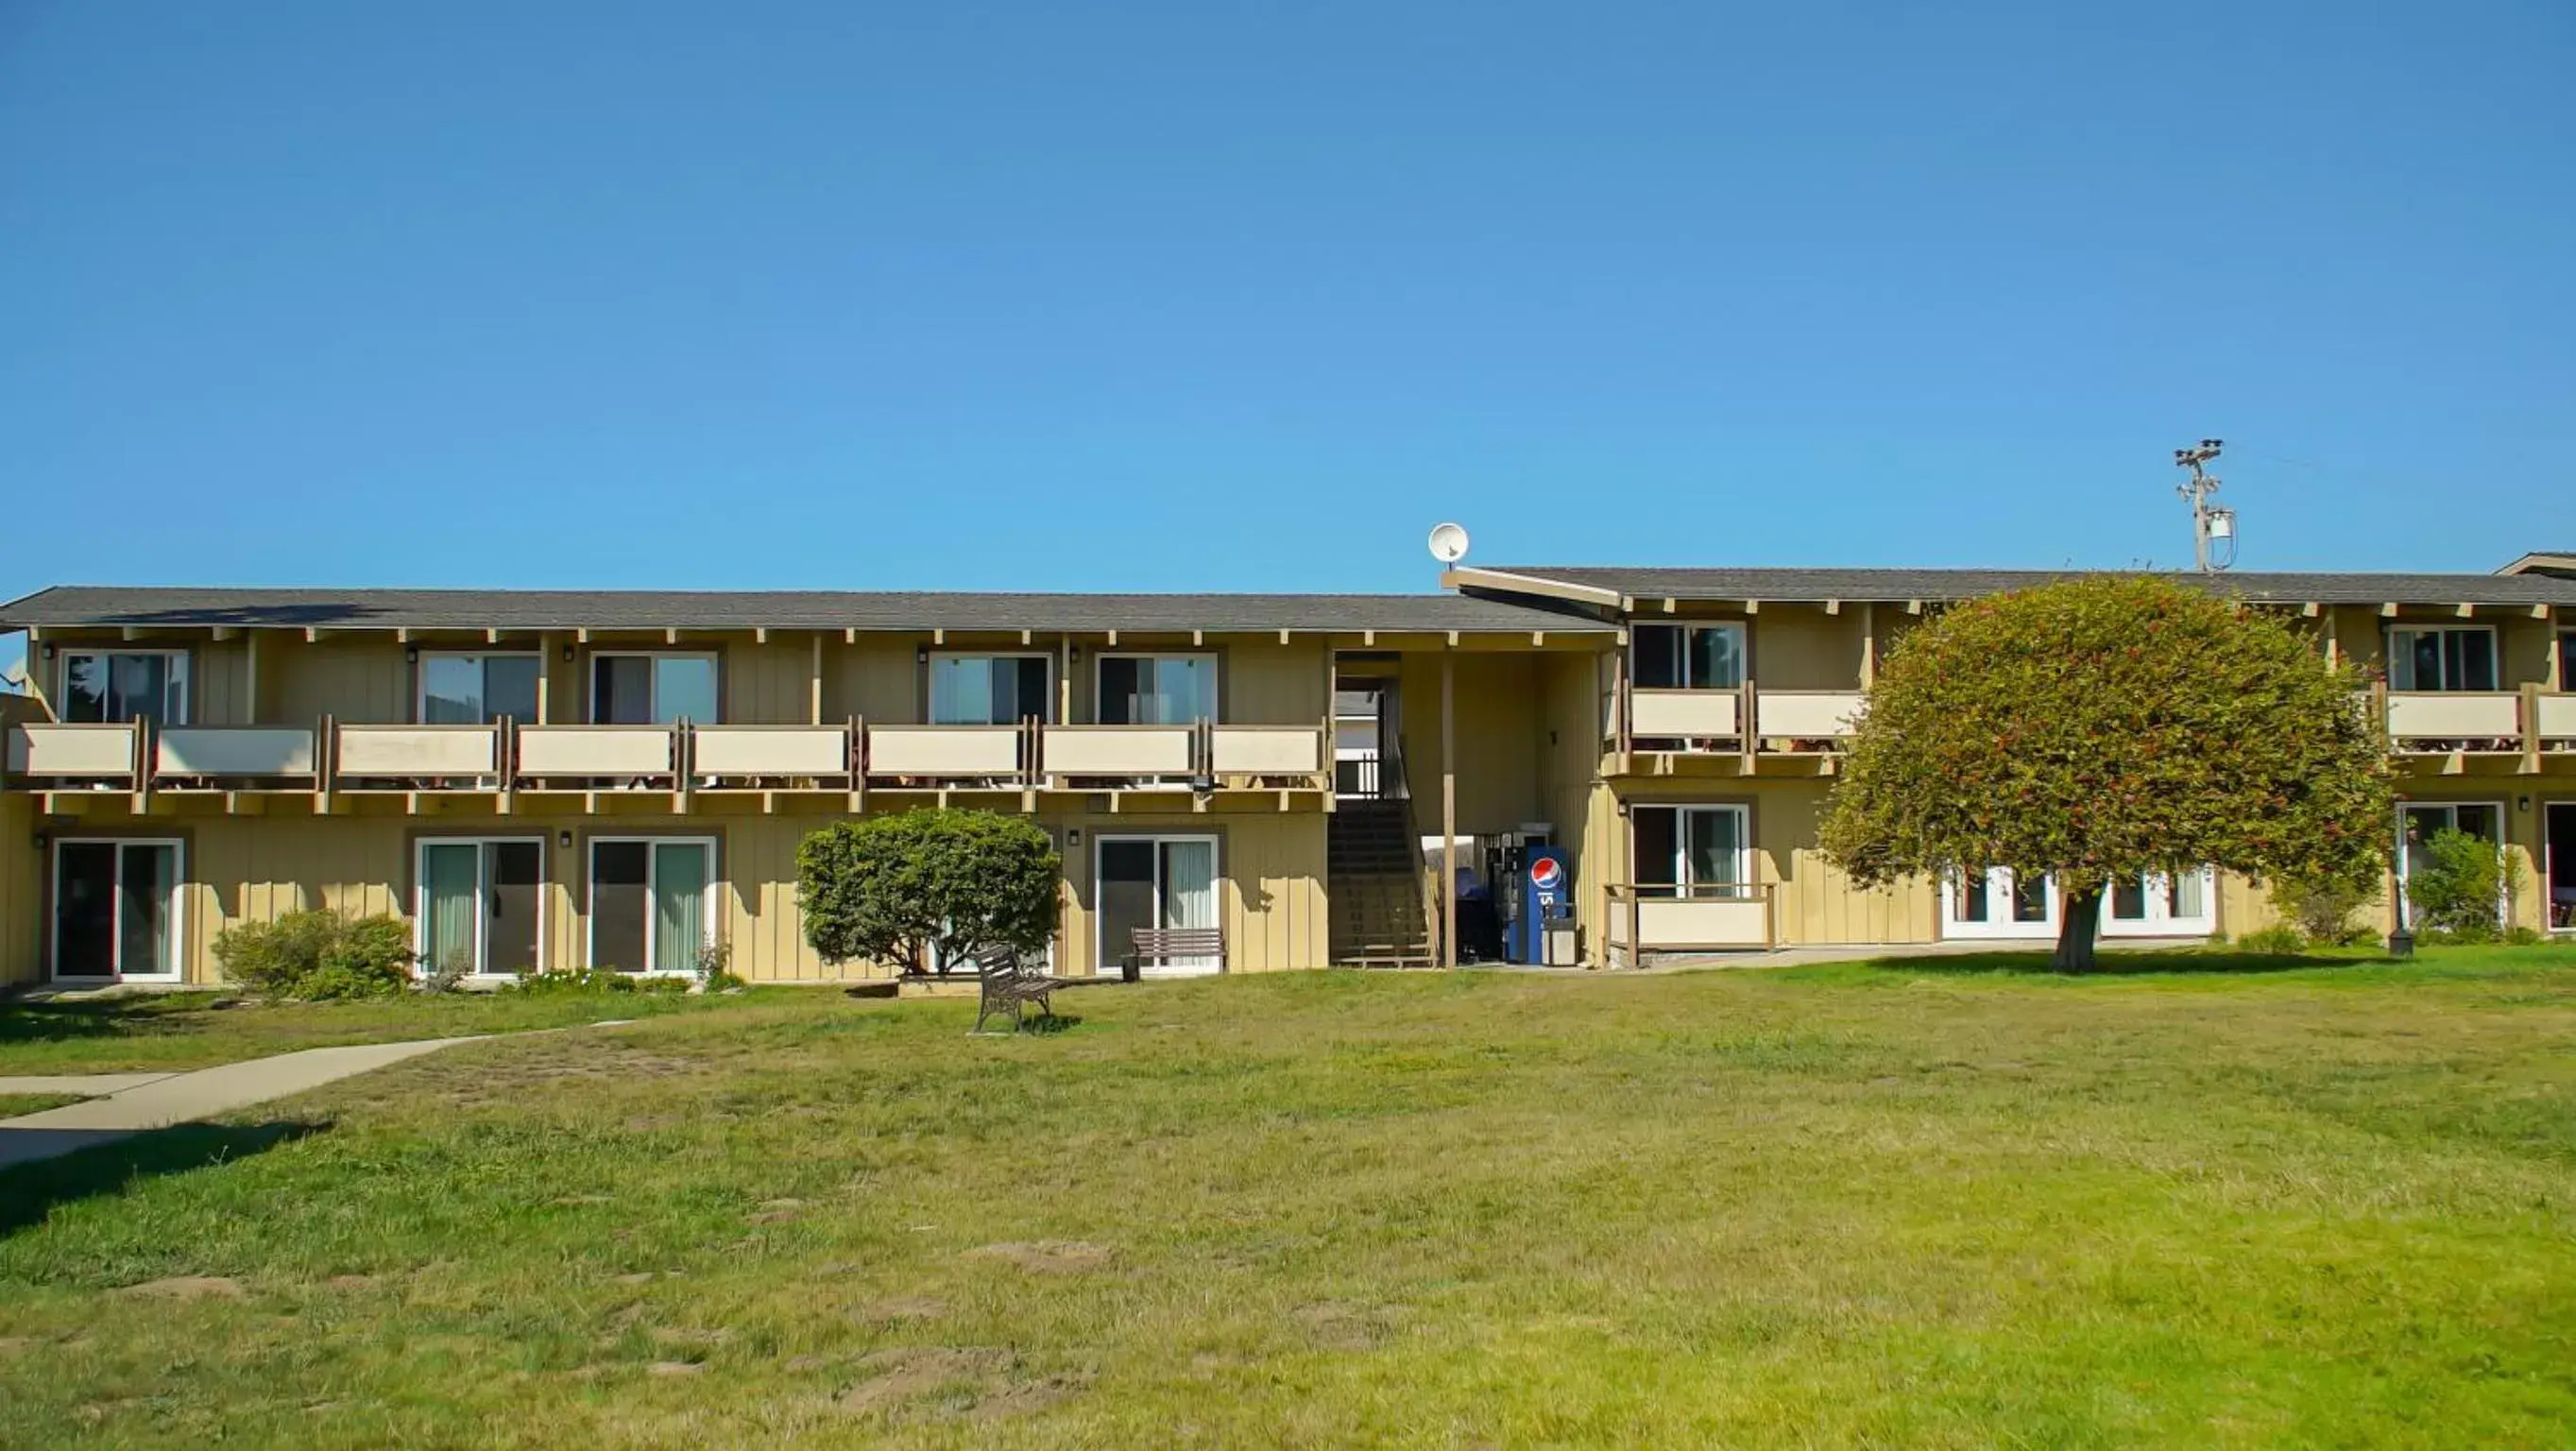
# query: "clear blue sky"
1233,296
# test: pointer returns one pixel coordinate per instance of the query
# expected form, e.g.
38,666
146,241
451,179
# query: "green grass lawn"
14,1104
162,1032
1926,1203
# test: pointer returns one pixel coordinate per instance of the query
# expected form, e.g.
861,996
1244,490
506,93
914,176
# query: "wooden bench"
1163,946
1006,984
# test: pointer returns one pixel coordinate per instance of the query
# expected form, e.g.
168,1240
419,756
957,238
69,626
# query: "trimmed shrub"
319,954
2460,886
2278,940
906,888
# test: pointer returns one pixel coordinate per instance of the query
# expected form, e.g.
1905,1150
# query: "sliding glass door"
652,689
1155,881
2419,822
478,905
989,689
1157,689
105,687
651,902
477,689
116,910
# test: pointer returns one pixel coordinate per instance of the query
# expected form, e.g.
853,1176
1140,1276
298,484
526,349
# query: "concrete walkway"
133,1103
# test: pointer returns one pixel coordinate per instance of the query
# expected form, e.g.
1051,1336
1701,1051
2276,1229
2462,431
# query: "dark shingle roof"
1948,584
74,605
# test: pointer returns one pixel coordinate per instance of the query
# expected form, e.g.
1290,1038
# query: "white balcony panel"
1270,750
1807,715
1116,750
418,751
233,751
1671,924
943,750
2453,715
41,748
767,751
2558,717
1662,713
595,751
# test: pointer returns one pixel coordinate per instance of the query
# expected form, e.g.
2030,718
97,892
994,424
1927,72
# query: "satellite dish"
1448,543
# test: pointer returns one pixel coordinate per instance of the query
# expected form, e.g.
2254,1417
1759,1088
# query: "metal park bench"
1007,985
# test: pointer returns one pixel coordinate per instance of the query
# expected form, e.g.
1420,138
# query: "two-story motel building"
552,779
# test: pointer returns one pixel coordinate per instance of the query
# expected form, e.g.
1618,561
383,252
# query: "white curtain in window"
679,905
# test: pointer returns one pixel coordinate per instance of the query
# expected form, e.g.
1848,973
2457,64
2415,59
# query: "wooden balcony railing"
2531,722
1731,918
507,756
1740,721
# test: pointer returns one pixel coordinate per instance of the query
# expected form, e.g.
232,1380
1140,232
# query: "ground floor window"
2003,904
1155,881
479,904
2418,822
652,902
116,909
1692,851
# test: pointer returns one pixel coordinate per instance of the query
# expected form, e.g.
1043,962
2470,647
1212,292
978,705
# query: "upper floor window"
652,689
2567,659
1157,689
1688,657
2446,657
989,689
125,685
477,689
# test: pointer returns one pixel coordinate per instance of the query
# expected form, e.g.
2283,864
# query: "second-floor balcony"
851,757
2529,723
1742,721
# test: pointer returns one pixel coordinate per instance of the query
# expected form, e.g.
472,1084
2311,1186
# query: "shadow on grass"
99,1163
138,1015
2121,964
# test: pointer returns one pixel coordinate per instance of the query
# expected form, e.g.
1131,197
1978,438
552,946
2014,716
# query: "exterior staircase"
1375,878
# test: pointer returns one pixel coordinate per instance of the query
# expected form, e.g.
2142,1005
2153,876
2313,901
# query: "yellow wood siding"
22,890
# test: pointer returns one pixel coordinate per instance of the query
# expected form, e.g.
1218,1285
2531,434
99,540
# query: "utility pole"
2210,523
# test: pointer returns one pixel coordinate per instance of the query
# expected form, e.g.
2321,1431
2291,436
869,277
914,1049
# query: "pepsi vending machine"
1546,899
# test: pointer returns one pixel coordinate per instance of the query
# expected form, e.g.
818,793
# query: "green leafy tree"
2104,727
919,884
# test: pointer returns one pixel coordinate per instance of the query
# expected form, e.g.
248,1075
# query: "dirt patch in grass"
903,1307
1049,1256
186,1287
980,1382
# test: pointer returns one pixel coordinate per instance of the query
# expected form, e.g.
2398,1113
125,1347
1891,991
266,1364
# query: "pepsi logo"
1545,872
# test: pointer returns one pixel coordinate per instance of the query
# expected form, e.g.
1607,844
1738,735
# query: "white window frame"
183,676
2000,882
590,679
2160,920
930,681
1743,650
1105,962
2397,864
177,908
1684,888
652,897
482,972
420,677
1216,677
2495,656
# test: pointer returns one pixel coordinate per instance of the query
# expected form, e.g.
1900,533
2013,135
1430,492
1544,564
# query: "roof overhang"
1505,582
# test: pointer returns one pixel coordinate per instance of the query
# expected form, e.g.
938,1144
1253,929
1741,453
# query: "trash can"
1561,950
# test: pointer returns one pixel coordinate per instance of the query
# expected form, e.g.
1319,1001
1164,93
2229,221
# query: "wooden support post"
1448,808
1750,738
2530,723
1868,644
814,684
858,764
545,675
